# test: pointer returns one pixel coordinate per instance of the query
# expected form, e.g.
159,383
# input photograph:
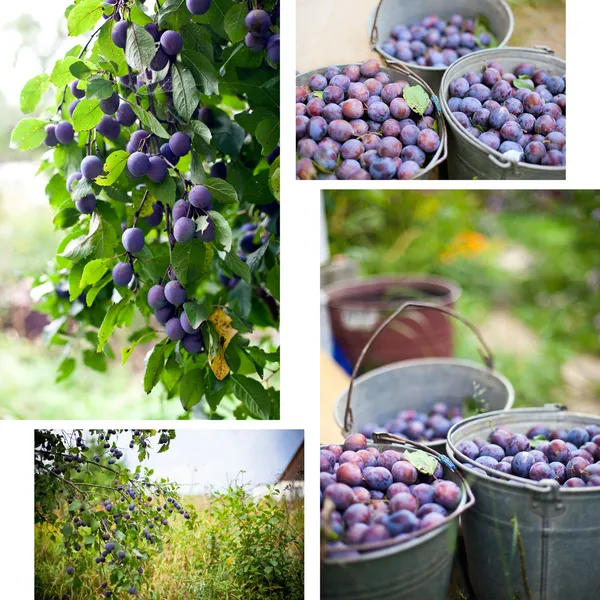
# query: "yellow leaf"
222,324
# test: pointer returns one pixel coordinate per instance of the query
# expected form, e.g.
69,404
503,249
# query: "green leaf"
252,395
422,461
164,192
221,191
61,74
80,69
523,83
155,364
188,260
274,178
273,282
139,337
65,369
32,92
267,134
201,137
149,121
94,361
203,71
81,188
28,134
196,313
93,272
66,217
75,280
234,22
140,48
92,293
99,87
113,167
169,8
109,51
253,260
110,322
191,388
87,114
236,265
223,235
417,98
83,16
196,37
185,95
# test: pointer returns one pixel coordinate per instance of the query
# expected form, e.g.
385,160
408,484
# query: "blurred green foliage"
533,254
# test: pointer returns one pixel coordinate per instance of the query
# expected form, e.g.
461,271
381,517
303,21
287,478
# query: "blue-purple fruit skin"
156,297
186,325
122,274
175,293
200,197
164,314
91,167
184,229
198,7
119,34
171,42
158,169
64,132
174,330
133,239
138,164
180,143
86,205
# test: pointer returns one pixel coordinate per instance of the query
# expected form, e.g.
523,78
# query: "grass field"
241,548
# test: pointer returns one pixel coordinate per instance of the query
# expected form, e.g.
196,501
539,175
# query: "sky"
201,459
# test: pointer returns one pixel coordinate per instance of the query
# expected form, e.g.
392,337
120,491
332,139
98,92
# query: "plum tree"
86,509
163,143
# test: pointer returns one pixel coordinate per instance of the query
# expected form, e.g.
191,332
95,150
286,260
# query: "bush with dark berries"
358,124
163,145
520,113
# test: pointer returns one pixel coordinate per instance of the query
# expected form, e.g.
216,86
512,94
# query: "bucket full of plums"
389,519
534,532
364,121
421,399
507,115
428,36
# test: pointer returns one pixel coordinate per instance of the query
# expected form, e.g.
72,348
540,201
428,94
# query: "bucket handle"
391,438
375,30
544,49
504,164
484,350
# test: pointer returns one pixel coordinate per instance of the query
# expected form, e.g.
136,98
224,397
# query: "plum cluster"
378,496
259,25
419,426
435,42
520,113
357,124
571,457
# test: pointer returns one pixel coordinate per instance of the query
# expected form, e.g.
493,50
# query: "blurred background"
522,266
537,22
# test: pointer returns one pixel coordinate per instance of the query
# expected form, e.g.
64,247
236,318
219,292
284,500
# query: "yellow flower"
466,243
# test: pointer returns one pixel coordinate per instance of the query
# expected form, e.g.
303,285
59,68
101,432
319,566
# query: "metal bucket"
468,157
379,395
396,73
390,13
529,540
357,307
418,569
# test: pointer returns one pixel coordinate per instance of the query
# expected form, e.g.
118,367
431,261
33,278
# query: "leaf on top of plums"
524,82
416,97
423,462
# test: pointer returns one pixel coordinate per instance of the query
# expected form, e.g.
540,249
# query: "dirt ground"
337,31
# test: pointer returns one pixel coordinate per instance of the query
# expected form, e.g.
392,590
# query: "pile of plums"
357,124
571,457
435,42
378,496
419,426
520,112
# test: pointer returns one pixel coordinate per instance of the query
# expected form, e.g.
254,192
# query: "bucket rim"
416,362
512,481
441,153
400,546
389,59
494,156
453,290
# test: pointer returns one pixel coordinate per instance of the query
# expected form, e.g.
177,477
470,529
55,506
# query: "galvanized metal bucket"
528,540
390,13
379,395
397,73
417,569
468,157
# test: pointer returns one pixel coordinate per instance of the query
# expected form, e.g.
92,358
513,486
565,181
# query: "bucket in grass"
420,399
398,554
491,17
530,539
469,158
